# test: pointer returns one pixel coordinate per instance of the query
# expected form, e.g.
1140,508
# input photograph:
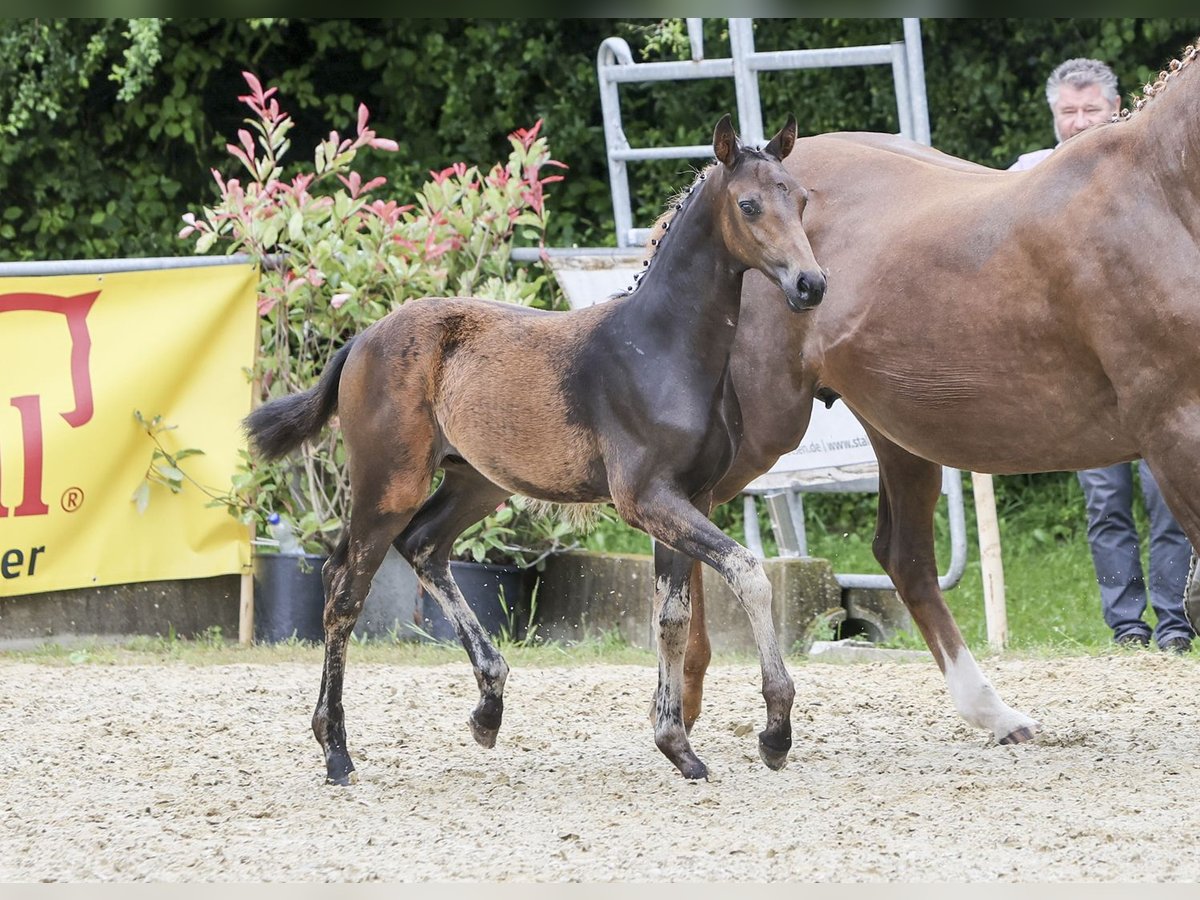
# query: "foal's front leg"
672,613
698,654
672,520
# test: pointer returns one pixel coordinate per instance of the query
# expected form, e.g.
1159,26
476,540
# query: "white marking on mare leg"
977,701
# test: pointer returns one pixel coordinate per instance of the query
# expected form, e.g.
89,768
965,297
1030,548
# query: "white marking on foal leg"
749,581
672,617
977,701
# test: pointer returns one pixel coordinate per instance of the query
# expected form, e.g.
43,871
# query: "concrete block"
877,615
118,611
585,594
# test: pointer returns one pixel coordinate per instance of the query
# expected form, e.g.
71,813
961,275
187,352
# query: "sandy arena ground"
184,773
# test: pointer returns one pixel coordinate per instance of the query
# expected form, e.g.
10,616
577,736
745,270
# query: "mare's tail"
280,426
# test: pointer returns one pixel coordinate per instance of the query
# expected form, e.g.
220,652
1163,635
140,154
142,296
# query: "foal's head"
759,210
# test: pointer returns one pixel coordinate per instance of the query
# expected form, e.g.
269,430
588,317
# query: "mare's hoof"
1020,736
484,737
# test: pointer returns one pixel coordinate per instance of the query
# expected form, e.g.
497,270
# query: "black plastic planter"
288,597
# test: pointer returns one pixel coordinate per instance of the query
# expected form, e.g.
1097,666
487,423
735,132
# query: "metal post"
615,51
903,95
745,80
783,524
750,521
695,29
916,80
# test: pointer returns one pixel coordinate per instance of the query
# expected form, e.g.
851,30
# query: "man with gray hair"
1083,92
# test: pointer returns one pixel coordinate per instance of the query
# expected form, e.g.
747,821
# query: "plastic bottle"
282,532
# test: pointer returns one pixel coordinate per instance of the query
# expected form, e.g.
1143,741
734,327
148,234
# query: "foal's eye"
749,207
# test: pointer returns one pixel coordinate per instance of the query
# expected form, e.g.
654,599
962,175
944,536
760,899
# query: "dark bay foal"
628,401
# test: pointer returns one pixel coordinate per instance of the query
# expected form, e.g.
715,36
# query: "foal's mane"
1156,88
662,225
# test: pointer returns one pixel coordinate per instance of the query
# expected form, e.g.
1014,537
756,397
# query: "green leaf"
171,475
141,497
296,226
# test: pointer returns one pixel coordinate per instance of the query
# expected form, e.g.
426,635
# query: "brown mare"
1001,322
628,402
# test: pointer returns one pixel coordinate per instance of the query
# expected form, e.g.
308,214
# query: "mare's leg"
671,519
698,654
462,499
347,575
1173,456
909,488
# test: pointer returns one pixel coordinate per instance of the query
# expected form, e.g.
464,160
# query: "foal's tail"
280,426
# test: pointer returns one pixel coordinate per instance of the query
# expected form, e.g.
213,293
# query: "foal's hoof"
1020,736
484,736
338,768
774,756
485,721
340,772
773,759
680,753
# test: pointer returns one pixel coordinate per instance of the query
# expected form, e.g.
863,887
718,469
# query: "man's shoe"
1136,639
1177,645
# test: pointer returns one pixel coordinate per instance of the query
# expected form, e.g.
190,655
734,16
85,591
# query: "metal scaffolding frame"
615,66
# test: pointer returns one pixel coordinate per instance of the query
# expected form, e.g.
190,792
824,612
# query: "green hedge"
110,126
96,167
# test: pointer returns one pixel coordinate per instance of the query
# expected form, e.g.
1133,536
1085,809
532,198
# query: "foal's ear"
781,145
725,143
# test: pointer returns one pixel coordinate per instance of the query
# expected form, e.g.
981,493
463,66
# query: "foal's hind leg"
908,492
347,576
671,519
462,499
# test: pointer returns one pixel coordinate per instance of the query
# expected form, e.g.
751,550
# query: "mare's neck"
1166,134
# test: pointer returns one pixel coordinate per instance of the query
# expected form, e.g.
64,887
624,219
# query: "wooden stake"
995,611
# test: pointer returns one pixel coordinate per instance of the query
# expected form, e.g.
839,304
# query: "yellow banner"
80,353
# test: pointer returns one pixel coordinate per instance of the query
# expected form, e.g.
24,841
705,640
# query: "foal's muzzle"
807,291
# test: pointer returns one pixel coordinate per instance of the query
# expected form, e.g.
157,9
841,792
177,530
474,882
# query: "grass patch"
1051,597
212,649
